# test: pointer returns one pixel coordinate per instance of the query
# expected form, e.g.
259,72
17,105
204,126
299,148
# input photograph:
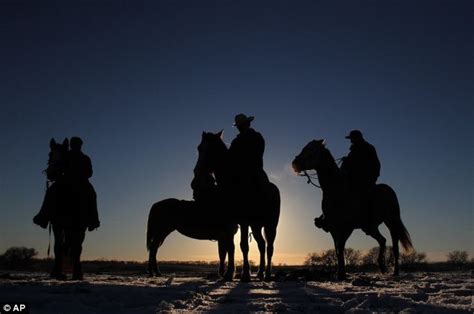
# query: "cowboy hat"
354,134
241,118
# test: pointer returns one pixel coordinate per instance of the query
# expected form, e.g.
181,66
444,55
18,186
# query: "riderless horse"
199,219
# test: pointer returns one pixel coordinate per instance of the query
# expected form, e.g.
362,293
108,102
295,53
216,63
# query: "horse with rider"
70,203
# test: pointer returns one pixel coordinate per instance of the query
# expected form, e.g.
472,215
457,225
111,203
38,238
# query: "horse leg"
222,248
244,246
375,233
59,248
229,274
257,234
152,264
340,239
76,240
270,235
396,252
156,242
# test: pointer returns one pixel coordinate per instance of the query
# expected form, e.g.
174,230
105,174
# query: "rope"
49,243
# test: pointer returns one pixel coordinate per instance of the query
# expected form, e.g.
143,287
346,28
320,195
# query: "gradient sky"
139,82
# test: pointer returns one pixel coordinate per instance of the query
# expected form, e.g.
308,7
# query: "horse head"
57,159
310,156
211,151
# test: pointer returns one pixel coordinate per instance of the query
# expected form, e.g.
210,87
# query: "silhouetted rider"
362,168
246,152
78,171
79,167
361,165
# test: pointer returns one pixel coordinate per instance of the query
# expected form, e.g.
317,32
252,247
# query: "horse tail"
405,238
397,224
274,202
149,228
273,213
162,220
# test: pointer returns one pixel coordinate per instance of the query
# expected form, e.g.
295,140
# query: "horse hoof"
226,279
58,276
245,278
152,275
221,271
78,277
261,276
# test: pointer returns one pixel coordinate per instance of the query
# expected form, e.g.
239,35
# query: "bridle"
309,178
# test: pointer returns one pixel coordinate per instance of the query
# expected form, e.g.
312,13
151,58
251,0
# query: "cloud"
285,174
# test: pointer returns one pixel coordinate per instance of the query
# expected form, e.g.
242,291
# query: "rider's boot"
322,223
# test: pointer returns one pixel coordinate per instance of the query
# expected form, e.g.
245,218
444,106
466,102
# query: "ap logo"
13,308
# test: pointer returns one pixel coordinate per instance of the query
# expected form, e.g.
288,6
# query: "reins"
310,177
49,224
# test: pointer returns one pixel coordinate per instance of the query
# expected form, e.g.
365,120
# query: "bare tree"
18,258
412,257
328,258
352,257
458,258
371,257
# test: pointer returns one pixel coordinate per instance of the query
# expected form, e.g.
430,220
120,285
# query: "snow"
361,293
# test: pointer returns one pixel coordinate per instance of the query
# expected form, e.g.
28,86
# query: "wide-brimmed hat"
354,134
241,118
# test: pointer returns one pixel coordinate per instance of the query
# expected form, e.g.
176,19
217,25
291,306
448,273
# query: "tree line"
22,258
355,259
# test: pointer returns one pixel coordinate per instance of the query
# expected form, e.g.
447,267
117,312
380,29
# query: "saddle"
352,205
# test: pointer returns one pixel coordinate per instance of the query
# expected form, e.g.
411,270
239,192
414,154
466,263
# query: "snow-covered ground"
363,293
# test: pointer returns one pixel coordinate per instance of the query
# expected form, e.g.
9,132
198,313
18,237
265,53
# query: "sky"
139,82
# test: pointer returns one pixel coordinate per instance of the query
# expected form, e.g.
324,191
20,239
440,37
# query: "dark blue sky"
139,82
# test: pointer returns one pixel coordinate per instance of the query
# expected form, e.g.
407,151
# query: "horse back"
385,197
166,211
271,205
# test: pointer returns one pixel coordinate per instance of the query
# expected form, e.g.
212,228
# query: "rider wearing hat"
361,165
246,152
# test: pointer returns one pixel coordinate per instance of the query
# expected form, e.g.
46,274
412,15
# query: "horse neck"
328,173
222,172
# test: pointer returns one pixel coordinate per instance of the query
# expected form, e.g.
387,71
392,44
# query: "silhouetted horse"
195,219
345,212
262,213
61,209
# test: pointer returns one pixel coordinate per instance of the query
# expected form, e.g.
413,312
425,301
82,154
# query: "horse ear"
323,142
221,134
52,142
66,142
203,134
320,142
